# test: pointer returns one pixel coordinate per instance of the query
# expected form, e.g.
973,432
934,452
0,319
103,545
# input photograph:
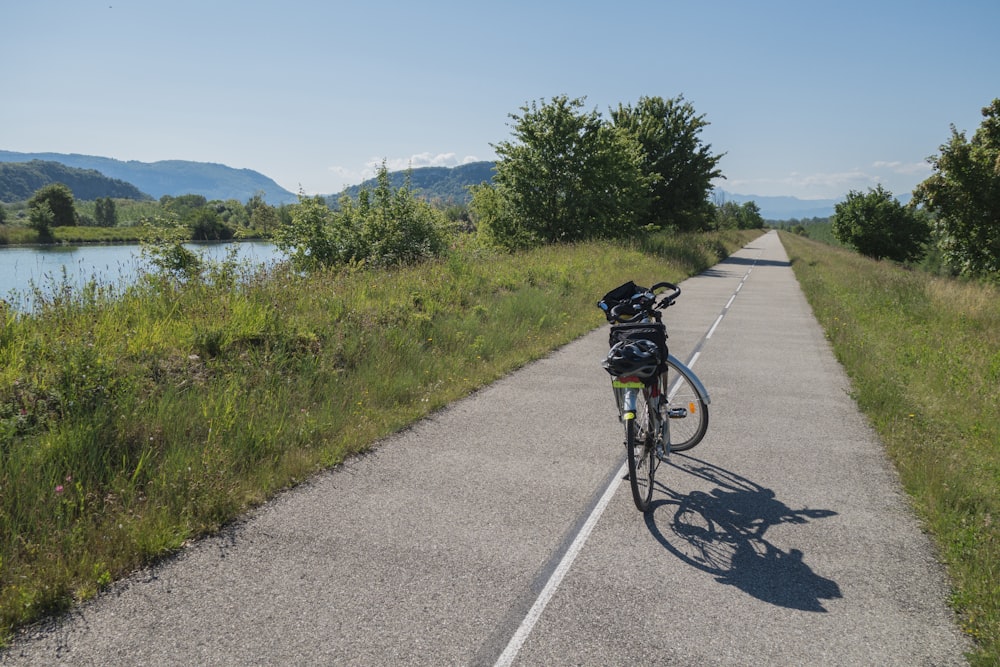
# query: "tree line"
956,211
567,174
192,216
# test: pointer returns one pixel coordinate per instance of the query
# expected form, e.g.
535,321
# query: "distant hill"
444,184
171,177
20,180
785,208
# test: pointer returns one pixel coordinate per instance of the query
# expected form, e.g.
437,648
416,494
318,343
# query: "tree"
681,168
207,225
40,219
878,226
182,205
567,176
264,218
105,213
59,199
308,237
232,212
730,215
750,217
964,195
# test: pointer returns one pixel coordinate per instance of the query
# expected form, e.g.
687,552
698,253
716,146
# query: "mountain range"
448,184
171,177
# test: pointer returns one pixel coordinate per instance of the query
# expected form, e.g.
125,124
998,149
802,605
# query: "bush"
878,226
381,228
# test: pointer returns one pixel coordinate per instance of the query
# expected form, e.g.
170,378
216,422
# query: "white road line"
521,635
712,330
527,625
731,299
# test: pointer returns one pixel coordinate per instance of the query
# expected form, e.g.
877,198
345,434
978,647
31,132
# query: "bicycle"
662,403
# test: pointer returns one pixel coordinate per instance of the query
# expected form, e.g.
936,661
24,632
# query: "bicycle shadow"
723,533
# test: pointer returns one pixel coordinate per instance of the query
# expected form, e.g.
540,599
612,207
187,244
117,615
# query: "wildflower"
59,489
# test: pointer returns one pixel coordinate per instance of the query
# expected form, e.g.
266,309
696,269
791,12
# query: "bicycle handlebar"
668,299
644,304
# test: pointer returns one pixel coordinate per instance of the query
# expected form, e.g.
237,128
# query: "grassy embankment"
131,423
923,354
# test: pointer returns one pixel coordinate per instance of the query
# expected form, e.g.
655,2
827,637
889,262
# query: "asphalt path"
499,531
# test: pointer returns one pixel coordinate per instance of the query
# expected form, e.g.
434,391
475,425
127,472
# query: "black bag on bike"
621,294
652,331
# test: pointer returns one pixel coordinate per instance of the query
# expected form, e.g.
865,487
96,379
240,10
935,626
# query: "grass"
923,354
134,420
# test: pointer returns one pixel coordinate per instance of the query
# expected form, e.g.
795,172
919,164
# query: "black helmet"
633,357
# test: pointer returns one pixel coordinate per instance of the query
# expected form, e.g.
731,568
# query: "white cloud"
896,176
905,168
346,176
817,185
421,160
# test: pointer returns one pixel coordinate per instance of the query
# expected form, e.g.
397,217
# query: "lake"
42,266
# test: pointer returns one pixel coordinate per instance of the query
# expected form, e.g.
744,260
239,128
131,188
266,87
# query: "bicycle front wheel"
641,456
686,412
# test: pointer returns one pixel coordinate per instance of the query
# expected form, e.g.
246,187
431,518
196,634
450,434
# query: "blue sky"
808,99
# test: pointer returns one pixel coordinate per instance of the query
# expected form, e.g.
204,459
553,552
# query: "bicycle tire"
641,457
687,413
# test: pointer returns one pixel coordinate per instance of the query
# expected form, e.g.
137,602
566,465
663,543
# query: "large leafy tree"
964,195
680,166
566,176
59,199
877,225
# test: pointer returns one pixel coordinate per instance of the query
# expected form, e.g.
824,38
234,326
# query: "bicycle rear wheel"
687,413
641,456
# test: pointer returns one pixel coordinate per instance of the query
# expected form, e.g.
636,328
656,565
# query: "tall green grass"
135,419
923,354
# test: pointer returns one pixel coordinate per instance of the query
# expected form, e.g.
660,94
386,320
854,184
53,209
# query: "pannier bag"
653,331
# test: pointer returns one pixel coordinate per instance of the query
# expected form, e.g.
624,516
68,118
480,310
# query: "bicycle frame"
626,392
658,396
662,414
